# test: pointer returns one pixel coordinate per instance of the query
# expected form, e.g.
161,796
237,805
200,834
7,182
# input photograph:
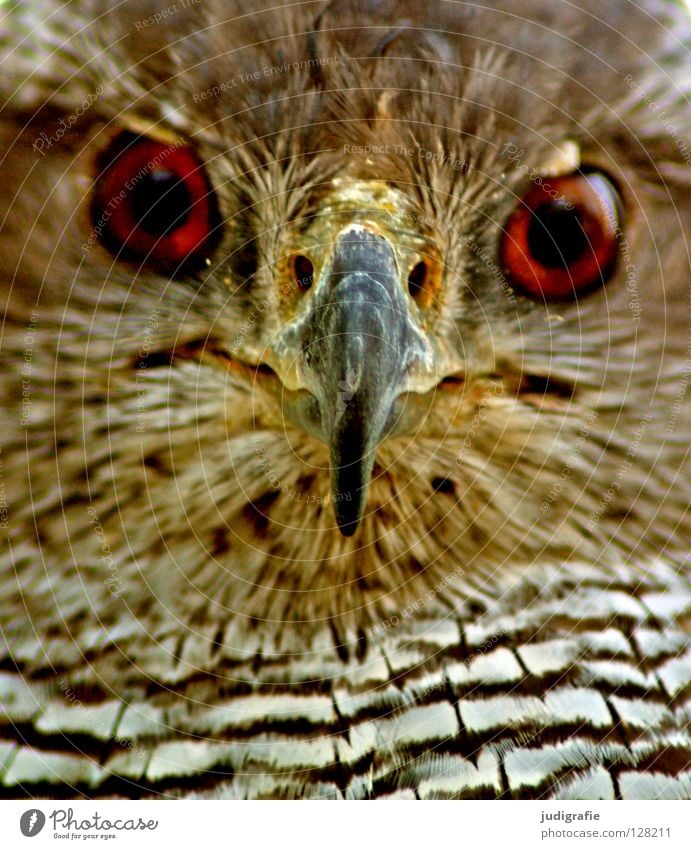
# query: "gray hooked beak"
359,341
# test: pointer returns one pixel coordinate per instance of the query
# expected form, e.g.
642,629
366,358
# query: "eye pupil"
160,202
556,237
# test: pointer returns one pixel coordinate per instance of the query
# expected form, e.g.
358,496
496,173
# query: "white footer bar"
350,825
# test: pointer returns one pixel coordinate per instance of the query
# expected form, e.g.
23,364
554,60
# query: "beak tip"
348,515
348,529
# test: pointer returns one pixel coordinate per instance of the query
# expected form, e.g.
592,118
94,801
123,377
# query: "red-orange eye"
562,240
152,201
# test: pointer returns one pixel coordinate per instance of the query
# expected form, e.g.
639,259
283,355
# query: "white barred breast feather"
581,695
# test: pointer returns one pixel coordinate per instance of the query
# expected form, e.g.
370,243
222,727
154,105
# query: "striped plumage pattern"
580,695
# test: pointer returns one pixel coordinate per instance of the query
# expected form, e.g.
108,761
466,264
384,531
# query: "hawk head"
332,303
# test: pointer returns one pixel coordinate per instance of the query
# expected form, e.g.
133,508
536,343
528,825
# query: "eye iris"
556,237
562,239
152,202
160,202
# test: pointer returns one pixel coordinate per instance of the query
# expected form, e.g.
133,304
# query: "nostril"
417,279
303,271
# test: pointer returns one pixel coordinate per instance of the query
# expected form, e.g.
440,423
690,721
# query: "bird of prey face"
345,422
